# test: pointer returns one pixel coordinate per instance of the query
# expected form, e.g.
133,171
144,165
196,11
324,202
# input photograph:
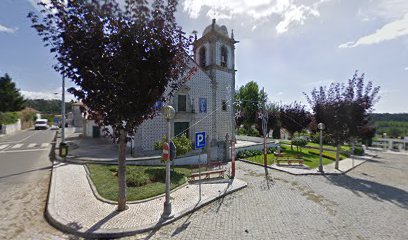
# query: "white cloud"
297,15
258,11
389,31
406,68
48,95
7,29
389,9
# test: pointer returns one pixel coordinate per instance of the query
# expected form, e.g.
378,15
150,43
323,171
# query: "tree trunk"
122,171
336,165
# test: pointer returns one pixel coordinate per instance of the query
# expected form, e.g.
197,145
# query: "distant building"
77,118
204,103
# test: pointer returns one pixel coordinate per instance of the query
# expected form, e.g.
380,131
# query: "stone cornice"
212,36
218,67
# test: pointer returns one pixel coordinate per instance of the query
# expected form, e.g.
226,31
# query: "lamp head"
321,126
168,112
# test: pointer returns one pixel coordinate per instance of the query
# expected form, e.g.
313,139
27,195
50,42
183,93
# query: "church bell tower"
214,52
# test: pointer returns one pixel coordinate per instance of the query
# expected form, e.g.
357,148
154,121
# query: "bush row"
329,155
251,153
137,177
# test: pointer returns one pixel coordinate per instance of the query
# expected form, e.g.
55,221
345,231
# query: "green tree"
247,100
48,106
122,58
11,99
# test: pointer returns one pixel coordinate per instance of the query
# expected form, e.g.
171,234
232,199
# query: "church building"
205,102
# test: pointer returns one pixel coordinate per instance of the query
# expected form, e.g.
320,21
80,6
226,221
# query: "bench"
290,161
215,168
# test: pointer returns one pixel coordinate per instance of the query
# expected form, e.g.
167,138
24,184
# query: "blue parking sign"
199,140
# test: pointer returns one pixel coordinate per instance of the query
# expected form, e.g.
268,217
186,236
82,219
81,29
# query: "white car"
41,124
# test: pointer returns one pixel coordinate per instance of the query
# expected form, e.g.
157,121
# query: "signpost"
199,144
166,152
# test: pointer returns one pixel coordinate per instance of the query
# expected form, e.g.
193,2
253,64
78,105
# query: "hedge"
8,117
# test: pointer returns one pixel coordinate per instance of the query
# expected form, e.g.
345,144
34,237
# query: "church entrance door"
180,127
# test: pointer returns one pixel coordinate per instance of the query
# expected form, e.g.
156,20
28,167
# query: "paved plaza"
370,202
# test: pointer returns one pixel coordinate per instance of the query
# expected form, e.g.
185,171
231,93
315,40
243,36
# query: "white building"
204,103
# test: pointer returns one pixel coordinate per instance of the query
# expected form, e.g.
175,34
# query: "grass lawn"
142,181
316,145
310,160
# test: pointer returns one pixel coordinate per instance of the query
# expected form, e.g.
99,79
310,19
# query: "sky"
288,47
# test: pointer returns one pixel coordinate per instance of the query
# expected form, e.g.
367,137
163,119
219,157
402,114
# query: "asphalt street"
25,169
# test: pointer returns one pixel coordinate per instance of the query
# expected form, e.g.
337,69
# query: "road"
25,169
369,202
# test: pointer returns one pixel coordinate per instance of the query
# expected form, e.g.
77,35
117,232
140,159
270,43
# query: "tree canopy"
294,117
123,59
247,100
11,99
344,108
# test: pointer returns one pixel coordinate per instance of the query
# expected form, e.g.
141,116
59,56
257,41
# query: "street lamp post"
321,127
169,113
63,110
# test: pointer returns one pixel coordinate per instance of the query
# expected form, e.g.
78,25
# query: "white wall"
11,128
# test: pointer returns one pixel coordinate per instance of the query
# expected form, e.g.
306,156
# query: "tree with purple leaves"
294,118
344,109
123,59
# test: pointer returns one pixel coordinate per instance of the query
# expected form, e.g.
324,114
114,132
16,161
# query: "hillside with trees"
396,117
394,125
47,106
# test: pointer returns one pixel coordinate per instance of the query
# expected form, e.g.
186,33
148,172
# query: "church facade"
205,102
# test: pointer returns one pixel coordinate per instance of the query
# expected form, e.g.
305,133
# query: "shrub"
136,178
159,175
183,144
249,132
9,117
327,139
299,142
251,153
159,145
358,150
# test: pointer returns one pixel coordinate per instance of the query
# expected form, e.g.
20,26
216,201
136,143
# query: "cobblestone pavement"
370,202
22,209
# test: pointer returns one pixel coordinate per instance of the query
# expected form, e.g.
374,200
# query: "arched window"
203,57
224,56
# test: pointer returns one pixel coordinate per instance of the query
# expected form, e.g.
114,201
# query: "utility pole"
63,110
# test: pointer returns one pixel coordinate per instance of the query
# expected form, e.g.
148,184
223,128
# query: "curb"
305,174
114,233
117,233
102,199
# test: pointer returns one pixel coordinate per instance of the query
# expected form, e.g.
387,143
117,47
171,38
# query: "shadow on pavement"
184,225
374,190
101,222
32,170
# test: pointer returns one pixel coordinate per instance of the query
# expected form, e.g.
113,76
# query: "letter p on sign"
199,140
